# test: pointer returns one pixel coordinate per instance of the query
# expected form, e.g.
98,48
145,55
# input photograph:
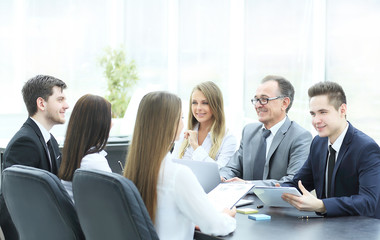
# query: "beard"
55,118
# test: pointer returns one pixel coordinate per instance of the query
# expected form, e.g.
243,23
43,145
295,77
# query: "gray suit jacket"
287,153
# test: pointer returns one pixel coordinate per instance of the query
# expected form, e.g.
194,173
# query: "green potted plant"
121,77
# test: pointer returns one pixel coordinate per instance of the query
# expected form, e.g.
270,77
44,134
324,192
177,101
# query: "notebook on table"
227,195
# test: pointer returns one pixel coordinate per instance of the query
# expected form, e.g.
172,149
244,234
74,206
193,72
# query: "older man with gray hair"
273,150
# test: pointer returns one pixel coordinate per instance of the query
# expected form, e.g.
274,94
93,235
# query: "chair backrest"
109,206
39,204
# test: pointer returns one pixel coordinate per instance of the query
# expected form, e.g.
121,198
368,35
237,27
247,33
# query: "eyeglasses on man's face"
264,101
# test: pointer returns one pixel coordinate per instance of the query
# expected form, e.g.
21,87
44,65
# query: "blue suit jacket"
356,176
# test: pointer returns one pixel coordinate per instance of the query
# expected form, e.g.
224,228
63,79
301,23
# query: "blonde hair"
218,129
155,131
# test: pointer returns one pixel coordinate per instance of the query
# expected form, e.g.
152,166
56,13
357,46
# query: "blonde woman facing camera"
207,138
172,194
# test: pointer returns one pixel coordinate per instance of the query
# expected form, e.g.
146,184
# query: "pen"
121,166
260,206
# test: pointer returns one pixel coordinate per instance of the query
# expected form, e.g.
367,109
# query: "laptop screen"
207,173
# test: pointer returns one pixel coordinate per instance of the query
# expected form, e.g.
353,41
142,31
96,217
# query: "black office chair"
109,206
39,204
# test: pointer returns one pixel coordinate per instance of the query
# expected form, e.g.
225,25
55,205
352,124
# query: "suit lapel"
322,161
251,151
37,130
342,152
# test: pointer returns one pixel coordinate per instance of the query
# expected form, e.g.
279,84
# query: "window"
353,54
177,44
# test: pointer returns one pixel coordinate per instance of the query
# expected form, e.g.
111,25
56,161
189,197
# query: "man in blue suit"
343,165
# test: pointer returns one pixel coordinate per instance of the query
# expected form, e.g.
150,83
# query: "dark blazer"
286,155
27,147
356,176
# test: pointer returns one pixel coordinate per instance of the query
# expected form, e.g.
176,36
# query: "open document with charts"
227,195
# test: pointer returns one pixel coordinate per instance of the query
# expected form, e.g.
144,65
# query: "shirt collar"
338,142
276,127
45,133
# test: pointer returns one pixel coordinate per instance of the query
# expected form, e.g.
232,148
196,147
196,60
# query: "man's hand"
235,179
306,202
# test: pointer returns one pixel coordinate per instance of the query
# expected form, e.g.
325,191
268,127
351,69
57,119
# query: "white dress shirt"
182,203
44,131
225,152
46,135
95,161
273,130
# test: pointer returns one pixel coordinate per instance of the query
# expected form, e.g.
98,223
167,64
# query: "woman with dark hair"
172,194
86,137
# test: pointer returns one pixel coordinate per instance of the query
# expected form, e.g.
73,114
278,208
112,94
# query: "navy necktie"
258,167
52,158
331,165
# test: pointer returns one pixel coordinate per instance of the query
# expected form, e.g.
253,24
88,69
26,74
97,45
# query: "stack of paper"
226,195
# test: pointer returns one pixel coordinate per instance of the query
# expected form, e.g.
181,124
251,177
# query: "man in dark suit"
278,156
343,165
33,145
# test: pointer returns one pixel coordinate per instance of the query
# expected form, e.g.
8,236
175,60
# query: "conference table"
289,223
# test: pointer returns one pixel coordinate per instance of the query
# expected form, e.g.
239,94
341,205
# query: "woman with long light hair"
172,194
207,138
86,137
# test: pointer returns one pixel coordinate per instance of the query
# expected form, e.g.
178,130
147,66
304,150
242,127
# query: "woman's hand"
231,212
192,137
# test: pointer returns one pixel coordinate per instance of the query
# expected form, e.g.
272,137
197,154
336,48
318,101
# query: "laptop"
207,173
221,194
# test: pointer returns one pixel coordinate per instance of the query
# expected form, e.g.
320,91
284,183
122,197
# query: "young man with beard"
33,145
